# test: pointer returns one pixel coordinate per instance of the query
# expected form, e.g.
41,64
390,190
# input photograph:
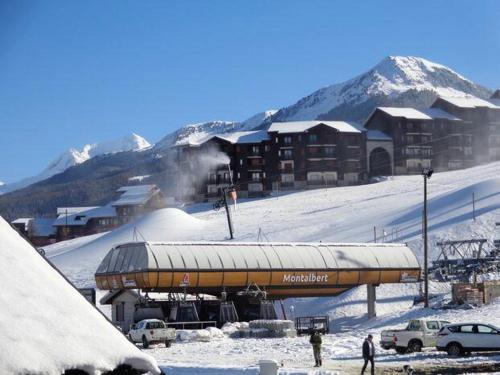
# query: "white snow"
139,178
302,126
79,259
391,77
134,195
418,114
471,102
47,326
74,157
345,214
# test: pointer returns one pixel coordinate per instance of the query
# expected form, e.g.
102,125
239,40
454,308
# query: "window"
485,329
255,176
255,149
351,177
287,140
287,154
434,326
267,148
329,151
315,176
467,329
313,138
414,325
287,178
120,312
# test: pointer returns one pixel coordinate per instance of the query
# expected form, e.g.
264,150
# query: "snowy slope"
47,326
74,157
78,259
193,133
344,214
396,80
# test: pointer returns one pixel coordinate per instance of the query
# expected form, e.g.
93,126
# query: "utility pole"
228,212
375,234
426,173
473,207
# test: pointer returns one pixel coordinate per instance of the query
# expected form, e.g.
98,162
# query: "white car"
459,339
418,334
151,331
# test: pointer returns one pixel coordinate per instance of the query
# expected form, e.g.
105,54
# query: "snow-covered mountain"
74,156
196,132
395,81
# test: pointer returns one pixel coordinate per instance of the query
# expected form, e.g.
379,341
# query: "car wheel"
168,343
400,350
454,350
145,343
414,346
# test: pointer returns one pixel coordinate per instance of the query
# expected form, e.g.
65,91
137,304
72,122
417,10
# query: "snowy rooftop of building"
418,114
48,326
23,221
73,210
303,126
134,195
82,217
469,102
244,137
377,135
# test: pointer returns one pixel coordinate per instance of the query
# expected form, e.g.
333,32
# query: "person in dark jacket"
368,354
316,341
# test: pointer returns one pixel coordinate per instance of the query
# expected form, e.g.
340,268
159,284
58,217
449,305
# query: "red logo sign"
185,279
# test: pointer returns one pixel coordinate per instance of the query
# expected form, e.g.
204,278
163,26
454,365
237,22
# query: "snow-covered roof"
53,328
303,126
43,227
469,101
377,135
73,210
82,217
23,221
243,137
418,114
112,294
134,195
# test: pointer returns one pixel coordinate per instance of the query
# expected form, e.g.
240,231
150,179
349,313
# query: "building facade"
483,118
289,155
423,138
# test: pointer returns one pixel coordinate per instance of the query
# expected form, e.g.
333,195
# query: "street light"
426,173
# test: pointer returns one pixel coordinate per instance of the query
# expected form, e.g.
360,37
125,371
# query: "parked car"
460,339
151,331
418,334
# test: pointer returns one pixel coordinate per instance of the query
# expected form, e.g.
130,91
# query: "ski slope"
343,214
346,214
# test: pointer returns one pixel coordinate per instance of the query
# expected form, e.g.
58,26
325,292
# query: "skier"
316,341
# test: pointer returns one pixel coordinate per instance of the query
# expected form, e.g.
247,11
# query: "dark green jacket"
315,339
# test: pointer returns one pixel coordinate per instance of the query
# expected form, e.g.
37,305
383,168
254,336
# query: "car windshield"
155,325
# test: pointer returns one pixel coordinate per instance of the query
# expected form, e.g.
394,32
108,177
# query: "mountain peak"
73,156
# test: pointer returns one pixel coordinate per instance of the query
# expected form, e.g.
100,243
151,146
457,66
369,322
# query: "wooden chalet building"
309,154
75,222
482,117
39,231
136,200
420,138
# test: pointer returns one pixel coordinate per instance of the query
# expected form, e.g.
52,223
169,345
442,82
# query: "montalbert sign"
305,278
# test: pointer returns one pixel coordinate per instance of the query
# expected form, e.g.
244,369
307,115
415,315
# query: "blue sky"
76,72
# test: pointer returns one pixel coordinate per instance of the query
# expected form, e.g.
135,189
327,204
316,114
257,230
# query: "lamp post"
426,173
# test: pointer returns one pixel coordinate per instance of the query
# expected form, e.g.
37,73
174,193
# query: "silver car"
463,338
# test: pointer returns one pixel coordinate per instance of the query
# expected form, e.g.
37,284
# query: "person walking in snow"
316,341
368,354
